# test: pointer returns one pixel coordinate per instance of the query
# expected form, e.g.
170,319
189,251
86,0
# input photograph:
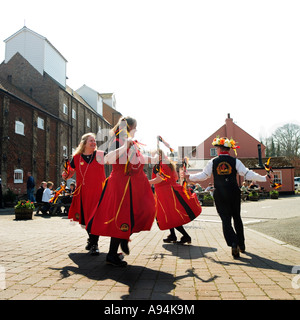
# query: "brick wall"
24,76
28,152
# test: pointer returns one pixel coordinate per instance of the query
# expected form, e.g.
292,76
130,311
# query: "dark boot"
185,239
235,251
170,239
115,260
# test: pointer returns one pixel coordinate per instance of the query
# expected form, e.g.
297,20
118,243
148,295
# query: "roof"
25,29
106,95
11,89
275,162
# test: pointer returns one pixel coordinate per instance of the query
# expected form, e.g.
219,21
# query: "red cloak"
127,204
175,205
89,185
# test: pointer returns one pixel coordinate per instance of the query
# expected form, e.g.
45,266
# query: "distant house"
248,144
252,153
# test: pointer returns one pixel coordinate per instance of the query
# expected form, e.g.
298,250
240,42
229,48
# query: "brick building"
42,119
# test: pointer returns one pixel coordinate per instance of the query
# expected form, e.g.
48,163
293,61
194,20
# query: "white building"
39,52
96,99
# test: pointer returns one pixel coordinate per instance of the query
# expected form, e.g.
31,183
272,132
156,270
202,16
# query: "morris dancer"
175,205
127,204
88,163
227,194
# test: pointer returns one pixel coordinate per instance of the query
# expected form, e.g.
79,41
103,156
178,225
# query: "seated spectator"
210,189
68,197
244,191
198,188
40,191
39,196
47,195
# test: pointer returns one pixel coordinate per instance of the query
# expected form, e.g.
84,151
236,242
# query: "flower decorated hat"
225,142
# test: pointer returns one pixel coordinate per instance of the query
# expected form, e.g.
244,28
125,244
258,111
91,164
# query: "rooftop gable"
25,29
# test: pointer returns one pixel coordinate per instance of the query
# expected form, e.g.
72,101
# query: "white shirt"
47,195
240,168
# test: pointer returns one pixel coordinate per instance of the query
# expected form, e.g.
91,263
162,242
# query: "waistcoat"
224,172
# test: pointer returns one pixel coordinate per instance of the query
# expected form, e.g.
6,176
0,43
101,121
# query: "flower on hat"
225,142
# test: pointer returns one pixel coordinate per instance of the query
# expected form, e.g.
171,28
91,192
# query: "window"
18,176
277,177
19,128
213,152
88,122
65,109
65,151
73,114
40,123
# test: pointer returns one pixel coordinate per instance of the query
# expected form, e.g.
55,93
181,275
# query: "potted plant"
253,196
24,210
208,200
274,194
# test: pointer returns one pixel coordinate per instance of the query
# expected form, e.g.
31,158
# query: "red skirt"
127,205
175,207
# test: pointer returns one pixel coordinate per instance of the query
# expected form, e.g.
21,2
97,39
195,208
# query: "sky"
177,66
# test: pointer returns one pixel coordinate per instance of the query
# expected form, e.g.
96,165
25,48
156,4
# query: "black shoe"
124,246
94,251
114,259
185,239
170,239
235,251
88,245
242,249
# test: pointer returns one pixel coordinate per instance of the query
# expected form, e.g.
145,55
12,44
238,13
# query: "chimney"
229,131
259,156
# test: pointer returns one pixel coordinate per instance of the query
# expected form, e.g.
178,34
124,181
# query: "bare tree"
287,140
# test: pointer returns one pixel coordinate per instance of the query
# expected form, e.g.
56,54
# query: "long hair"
124,122
124,125
82,144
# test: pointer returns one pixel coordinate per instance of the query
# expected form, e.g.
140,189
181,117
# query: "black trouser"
180,229
93,239
228,204
114,245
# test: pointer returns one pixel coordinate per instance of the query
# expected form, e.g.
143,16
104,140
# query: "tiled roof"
275,162
11,89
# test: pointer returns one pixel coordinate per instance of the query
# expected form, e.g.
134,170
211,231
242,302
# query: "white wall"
30,46
92,98
54,64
